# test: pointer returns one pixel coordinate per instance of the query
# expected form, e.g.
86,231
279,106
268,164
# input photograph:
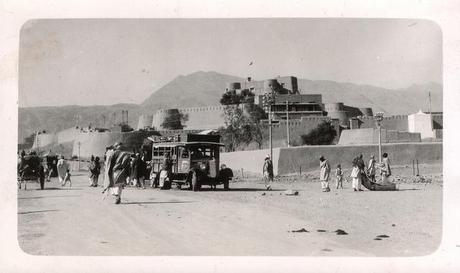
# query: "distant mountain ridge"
206,88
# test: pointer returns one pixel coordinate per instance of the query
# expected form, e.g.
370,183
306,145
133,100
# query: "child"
338,176
354,176
67,179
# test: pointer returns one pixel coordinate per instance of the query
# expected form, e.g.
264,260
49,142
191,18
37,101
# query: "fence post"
300,170
242,175
413,166
417,168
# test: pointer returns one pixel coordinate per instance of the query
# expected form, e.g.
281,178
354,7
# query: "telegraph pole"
287,124
267,103
429,99
270,130
379,118
79,144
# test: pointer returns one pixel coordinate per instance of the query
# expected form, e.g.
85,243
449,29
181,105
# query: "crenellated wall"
199,118
67,135
398,123
44,139
370,136
145,121
297,128
95,143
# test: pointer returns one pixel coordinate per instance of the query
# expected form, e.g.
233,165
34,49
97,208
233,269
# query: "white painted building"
421,123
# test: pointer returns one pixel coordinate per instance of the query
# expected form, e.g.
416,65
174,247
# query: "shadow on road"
37,211
63,188
408,189
159,202
240,189
39,197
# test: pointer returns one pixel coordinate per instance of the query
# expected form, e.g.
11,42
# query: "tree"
174,121
324,134
242,120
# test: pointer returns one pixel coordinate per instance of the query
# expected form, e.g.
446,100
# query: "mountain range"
206,88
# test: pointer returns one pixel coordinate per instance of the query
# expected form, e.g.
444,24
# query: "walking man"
268,172
325,171
117,171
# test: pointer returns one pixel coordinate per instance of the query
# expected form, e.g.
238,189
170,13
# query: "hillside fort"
294,111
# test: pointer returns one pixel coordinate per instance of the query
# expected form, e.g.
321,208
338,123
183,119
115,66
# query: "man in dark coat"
118,170
267,171
225,175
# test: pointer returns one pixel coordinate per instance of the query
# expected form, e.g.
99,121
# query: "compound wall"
306,158
249,161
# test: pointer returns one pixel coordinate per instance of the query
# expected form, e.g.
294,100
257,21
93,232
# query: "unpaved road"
243,221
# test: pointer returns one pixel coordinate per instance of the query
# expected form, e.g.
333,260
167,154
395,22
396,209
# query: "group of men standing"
359,172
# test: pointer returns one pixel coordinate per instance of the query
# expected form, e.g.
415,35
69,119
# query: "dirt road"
244,221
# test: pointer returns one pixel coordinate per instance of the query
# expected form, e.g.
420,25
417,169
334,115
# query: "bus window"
183,152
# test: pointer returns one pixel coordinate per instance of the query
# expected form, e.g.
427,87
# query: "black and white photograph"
229,138
274,137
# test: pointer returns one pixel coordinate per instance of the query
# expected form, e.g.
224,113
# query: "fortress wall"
297,128
398,123
371,136
42,140
144,121
204,118
199,118
94,143
67,135
307,157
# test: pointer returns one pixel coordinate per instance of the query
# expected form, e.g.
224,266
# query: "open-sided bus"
194,159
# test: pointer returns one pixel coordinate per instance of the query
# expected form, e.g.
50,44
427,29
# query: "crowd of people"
121,168
359,172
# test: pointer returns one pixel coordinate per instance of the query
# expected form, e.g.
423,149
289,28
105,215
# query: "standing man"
97,171
268,172
134,163
62,167
225,175
385,169
139,171
165,173
325,171
361,166
117,171
371,169
91,167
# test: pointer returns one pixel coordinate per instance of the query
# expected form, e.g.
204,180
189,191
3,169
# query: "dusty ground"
244,221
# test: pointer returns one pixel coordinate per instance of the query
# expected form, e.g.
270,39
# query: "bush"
324,134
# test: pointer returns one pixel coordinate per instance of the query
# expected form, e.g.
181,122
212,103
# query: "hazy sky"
103,61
